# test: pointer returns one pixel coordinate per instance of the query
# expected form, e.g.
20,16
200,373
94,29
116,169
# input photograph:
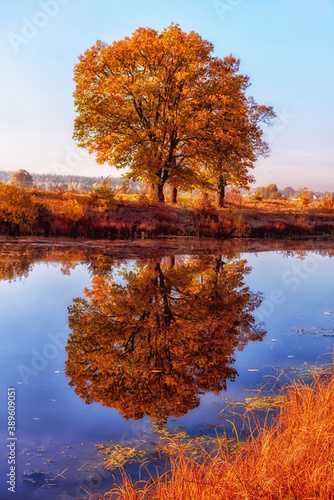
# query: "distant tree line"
51,182
271,192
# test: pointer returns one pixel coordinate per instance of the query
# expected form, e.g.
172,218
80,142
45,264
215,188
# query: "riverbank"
85,215
289,460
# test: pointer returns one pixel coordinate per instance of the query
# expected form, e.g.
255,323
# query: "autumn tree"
18,211
166,335
230,138
270,192
22,179
152,101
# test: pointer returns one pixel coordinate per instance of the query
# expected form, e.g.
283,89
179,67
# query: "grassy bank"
293,459
105,215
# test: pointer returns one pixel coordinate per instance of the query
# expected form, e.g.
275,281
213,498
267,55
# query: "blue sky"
286,47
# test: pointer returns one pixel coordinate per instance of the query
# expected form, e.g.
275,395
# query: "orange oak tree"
150,102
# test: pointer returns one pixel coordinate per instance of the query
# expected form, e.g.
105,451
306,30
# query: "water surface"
117,347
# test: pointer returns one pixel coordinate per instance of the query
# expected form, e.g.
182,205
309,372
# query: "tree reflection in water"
153,344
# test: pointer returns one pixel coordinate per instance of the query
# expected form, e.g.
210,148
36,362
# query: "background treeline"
271,192
51,182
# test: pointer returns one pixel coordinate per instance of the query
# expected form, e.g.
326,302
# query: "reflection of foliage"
17,261
12,267
153,344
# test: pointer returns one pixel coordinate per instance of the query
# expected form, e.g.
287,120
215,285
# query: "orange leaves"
161,105
146,102
153,343
17,208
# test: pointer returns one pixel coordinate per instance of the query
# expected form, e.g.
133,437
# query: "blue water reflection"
56,430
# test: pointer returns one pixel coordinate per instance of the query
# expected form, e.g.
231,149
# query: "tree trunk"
171,261
154,192
221,192
174,195
161,197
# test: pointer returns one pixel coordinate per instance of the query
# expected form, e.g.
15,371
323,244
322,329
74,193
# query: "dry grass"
123,216
293,459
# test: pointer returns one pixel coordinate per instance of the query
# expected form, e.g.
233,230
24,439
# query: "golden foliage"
17,208
71,208
103,197
153,344
304,198
290,460
164,106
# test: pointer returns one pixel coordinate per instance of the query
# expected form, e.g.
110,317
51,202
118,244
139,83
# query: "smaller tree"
18,212
22,179
288,192
304,197
270,192
103,197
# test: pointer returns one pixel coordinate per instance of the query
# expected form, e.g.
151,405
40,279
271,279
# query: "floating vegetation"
168,444
263,403
119,455
313,372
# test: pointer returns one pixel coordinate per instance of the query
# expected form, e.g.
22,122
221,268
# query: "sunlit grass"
292,459
118,215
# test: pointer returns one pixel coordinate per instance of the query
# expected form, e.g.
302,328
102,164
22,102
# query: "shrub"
144,198
232,223
103,197
18,212
256,196
206,206
234,197
328,201
71,209
304,197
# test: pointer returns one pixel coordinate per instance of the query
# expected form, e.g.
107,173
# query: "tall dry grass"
292,459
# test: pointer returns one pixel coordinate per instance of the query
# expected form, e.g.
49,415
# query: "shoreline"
165,245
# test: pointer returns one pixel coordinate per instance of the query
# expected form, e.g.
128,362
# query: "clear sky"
286,47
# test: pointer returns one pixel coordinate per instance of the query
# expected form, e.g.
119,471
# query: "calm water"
156,344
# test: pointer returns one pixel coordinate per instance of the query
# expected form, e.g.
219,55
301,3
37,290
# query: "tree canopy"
162,105
22,179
